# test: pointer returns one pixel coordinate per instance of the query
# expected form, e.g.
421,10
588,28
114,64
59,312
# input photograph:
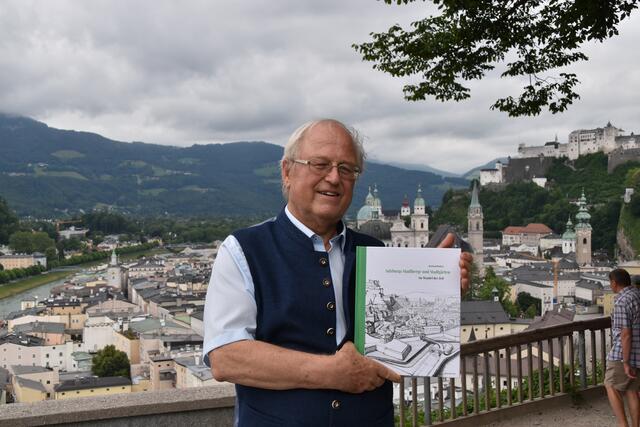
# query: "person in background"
621,376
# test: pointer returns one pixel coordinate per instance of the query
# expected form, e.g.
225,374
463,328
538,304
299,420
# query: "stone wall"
618,157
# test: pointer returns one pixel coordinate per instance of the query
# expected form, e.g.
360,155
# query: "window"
48,381
63,393
47,355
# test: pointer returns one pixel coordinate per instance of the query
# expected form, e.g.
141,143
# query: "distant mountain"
47,172
420,167
475,172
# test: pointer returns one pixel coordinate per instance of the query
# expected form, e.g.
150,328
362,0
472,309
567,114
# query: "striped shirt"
626,314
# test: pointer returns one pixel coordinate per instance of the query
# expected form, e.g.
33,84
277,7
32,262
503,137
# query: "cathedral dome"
365,213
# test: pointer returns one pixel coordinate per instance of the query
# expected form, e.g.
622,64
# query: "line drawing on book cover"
413,331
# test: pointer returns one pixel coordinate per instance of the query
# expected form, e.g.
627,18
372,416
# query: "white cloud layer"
199,71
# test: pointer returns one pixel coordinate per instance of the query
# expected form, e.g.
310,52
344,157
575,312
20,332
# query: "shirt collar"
340,237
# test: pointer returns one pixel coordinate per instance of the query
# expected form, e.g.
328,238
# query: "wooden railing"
555,361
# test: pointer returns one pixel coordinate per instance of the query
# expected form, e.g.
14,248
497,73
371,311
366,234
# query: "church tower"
569,239
583,233
114,273
419,219
475,222
405,210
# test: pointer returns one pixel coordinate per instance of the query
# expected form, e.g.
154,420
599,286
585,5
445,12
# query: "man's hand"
355,373
629,370
465,263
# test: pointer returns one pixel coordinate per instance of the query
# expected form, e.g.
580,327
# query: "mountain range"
48,172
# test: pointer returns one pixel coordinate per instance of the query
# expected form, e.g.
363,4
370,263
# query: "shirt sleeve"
622,317
230,307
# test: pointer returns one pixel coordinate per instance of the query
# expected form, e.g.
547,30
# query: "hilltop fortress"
534,161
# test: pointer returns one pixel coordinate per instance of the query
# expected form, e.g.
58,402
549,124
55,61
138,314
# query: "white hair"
293,145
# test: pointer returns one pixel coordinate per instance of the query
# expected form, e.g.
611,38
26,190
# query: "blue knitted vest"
293,292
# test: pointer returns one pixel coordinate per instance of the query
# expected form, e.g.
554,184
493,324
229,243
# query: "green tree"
634,204
525,301
110,362
466,39
51,253
531,312
491,282
8,222
29,242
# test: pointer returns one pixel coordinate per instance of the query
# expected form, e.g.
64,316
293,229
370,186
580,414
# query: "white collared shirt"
230,308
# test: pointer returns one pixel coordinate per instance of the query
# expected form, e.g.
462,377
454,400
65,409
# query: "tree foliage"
8,222
28,242
525,39
110,362
528,304
503,288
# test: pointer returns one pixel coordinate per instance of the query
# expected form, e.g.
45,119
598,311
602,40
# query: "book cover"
408,309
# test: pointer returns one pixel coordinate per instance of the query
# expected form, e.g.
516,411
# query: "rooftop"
91,382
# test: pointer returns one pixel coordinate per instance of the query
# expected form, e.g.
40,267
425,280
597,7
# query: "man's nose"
333,175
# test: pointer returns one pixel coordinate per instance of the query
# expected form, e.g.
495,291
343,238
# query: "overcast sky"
188,72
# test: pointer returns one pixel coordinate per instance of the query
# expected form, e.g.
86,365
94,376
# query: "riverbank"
14,288
23,285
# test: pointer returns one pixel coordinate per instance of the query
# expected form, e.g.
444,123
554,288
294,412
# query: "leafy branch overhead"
531,39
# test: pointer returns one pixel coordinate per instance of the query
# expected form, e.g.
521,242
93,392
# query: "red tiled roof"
537,228
533,228
513,229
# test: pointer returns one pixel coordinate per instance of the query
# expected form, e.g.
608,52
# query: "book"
408,309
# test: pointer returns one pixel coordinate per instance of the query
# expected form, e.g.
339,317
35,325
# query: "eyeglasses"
323,167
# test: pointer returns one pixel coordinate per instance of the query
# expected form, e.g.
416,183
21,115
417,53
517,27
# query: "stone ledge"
112,407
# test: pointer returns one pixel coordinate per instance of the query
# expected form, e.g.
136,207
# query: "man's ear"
285,169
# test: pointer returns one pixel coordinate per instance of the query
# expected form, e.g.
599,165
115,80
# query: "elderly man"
624,358
280,305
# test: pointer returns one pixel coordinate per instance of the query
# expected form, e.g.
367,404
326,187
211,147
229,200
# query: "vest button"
323,261
331,306
326,283
331,331
335,404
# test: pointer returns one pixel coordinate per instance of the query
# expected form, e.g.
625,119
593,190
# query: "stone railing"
210,406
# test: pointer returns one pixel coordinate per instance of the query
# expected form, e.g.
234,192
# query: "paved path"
593,413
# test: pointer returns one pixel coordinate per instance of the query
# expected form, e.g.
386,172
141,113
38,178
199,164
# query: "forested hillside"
48,172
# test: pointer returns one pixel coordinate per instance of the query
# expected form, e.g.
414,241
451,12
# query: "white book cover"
408,309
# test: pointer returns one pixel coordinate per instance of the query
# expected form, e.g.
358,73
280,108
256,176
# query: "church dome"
365,213
569,234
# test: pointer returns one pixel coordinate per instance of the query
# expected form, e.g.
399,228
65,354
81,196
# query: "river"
12,303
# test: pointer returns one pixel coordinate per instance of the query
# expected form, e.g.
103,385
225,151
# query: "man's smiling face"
320,200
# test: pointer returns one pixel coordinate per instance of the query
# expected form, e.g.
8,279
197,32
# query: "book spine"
361,292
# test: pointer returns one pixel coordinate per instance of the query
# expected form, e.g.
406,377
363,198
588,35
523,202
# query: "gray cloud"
202,71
